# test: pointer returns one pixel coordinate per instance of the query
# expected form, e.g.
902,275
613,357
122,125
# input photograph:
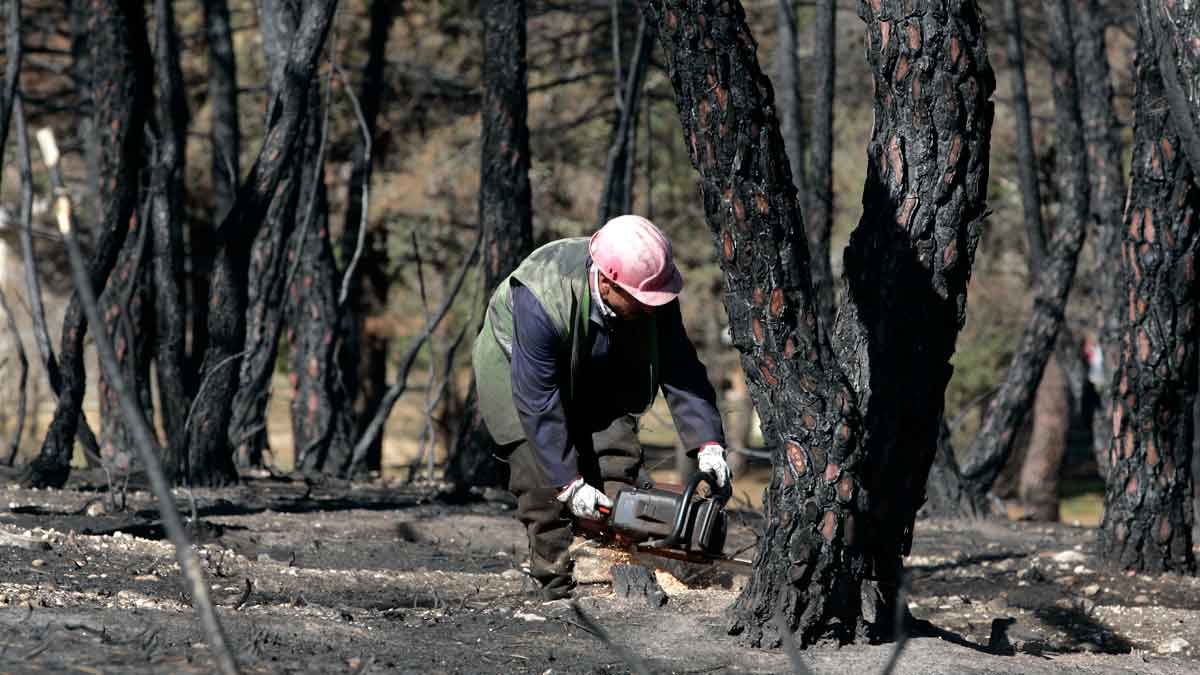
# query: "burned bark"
505,210
225,135
787,95
1031,197
119,105
1148,515
991,446
818,212
210,460
927,173
617,196
166,221
1102,134
12,69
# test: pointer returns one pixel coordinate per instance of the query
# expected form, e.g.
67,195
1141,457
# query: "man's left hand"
712,462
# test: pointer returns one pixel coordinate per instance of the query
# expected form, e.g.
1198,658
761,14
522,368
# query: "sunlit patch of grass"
1082,508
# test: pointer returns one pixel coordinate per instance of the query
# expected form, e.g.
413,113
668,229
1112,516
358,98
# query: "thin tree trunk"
12,69
226,168
210,455
615,198
1148,514
363,356
992,444
120,99
787,94
271,258
1031,194
816,572
505,209
1038,487
167,219
1102,133
14,443
818,213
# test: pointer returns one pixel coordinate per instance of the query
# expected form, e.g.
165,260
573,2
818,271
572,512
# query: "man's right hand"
584,500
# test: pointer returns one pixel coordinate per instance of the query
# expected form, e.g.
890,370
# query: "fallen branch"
146,446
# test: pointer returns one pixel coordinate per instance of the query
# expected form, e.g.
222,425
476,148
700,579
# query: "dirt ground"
385,578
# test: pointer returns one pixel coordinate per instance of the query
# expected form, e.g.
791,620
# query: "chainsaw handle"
685,504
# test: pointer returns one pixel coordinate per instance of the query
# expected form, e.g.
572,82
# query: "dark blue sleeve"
690,396
537,347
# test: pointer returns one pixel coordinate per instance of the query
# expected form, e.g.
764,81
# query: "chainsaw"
659,521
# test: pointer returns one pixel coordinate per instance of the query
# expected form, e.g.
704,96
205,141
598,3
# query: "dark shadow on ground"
1083,628
968,562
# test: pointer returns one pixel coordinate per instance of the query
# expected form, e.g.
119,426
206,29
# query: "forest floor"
387,578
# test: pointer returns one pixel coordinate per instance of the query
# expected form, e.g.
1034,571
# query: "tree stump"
637,582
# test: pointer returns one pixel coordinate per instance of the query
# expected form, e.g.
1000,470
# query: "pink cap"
631,252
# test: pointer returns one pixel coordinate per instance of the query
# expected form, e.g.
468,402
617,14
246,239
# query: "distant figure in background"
575,344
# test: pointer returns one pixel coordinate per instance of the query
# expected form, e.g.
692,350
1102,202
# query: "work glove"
584,500
712,462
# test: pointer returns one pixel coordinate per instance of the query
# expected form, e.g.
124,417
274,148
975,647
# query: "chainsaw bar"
696,557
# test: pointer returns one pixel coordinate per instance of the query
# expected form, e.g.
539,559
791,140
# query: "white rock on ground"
1173,646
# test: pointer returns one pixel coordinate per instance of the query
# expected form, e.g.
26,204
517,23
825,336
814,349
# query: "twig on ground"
147,446
635,662
245,594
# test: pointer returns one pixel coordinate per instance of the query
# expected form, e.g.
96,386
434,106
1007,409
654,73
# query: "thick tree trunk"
505,210
991,446
119,99
816,569
363,355
1038,487
909,261
1102,133
225,136
818,214
1176,34
1148,512
167,218
210,455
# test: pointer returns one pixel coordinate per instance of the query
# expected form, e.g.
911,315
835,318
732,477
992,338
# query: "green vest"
557,275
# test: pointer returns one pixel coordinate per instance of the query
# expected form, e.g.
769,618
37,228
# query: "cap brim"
662,296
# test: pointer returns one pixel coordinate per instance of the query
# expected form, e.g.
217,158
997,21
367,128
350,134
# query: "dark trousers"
608,458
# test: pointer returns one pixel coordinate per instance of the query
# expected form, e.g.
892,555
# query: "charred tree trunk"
1102,133
12,69
1031,193
120,100
816,570
991,446
1147,507
210,455
226,141
617,195
363,356
505,210
166,218
818,214
787,94
321,422
1038,486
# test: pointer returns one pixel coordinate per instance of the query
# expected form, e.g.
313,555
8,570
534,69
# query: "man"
575,345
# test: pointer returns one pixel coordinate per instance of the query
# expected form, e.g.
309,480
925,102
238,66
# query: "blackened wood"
1176,33
505,209
1148,515
1027,171
1102,133
119,99
786,80
210,460
909,261
818,214
225,135
991,446
166,221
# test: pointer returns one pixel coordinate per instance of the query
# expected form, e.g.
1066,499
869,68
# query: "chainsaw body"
657,518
